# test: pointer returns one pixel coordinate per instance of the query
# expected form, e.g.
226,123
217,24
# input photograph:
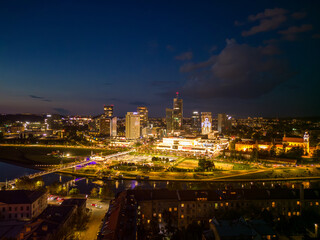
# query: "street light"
316,229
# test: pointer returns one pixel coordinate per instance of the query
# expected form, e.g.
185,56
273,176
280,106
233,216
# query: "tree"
29,184
295,152
316,154
74,191
94,192
205,165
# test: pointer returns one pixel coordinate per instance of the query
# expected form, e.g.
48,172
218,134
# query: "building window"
27,208
298,202
170,209
21,215
175,209
3,209
21,208
10,208
182,205
182,216
273,204
16,209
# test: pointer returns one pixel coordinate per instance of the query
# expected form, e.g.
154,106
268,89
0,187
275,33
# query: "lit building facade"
113,127
132,125
195,122
104,126
108,110
143,113
177,116
22,204
224,122
206,123
169,120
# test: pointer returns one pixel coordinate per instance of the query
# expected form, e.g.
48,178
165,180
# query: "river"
10,171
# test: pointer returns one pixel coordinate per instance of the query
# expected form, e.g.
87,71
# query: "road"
97,215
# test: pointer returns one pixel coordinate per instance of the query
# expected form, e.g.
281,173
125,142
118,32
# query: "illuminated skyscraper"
206,122
196,123
108,110
132,125
169,120
104,126
143,113
113,127
177,115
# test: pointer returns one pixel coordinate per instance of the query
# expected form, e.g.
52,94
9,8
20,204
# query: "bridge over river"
72,165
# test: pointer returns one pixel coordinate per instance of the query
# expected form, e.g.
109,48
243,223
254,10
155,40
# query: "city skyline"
241,59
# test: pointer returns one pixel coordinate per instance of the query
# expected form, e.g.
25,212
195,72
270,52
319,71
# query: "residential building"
108,110
21,204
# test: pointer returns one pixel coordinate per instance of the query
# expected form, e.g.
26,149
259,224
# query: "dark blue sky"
244,58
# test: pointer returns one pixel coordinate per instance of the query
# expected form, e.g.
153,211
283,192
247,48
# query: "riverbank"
260,176
31,155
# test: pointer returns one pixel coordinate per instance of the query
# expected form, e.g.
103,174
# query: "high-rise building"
195,122
108,110
104,126
113,127
177,112
224,122
132,125
206,122
143,113
169,120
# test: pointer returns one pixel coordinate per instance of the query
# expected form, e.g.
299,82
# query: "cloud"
194,66
268,13
269,20
239,71
138,103
36,97
291,33
298,15
40,98
296,29
184,56
62,111
270,50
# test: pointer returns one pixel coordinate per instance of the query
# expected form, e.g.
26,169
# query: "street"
96,216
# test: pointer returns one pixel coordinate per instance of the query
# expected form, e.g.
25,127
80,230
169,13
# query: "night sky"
244,58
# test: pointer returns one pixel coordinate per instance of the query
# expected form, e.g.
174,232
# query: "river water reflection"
9,171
